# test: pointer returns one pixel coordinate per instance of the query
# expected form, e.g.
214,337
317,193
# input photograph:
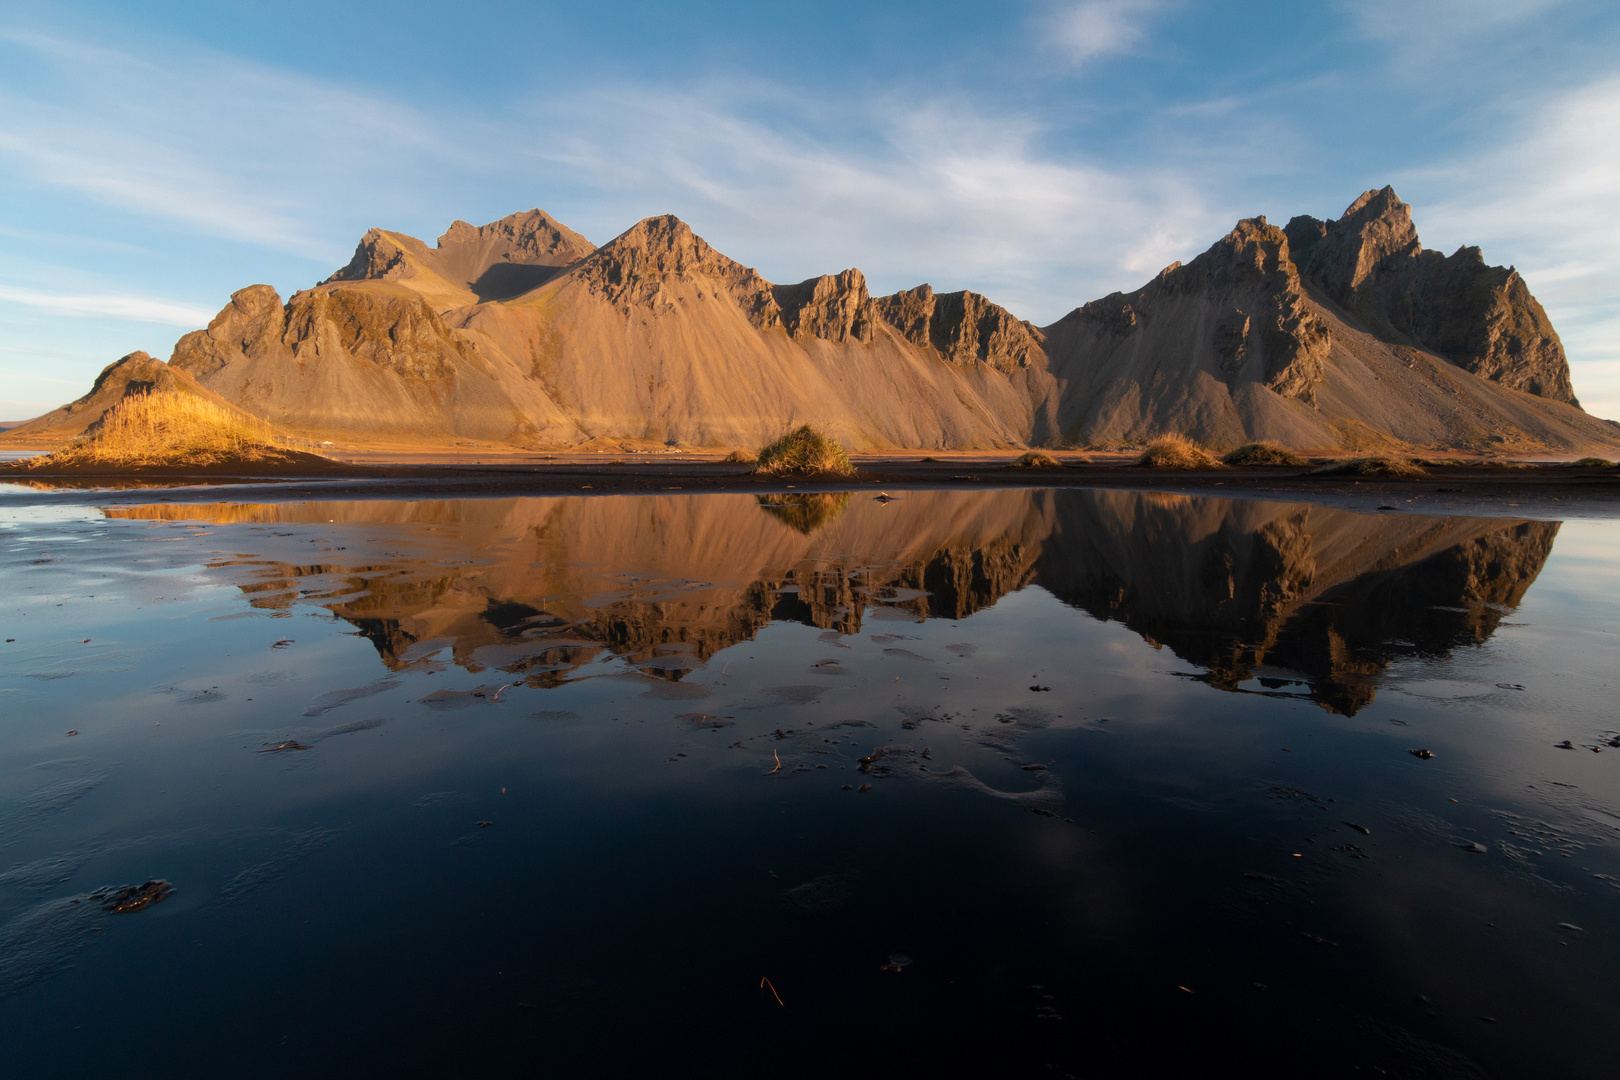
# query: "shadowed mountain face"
1481,318
1342,334
1259,596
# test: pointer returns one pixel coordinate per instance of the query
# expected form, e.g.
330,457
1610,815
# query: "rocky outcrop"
1248,298
377,257
964,328
631,269
833,307
1481,318
401,334
532,238
498,261
252,324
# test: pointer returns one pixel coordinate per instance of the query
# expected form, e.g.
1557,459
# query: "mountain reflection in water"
1274,594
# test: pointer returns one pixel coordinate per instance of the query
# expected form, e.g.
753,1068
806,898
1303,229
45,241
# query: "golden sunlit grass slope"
168,430
136,373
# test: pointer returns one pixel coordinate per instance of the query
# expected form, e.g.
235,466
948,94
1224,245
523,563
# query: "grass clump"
1393,468
1176,452
1037,459
1591,463
805,512
804,452
170,428
1262,453
738,457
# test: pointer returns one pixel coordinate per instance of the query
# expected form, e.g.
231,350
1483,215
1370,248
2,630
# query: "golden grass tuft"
804,452
1591,463
1176,452
1393,468
170,428
1037,459
1262,453
738,457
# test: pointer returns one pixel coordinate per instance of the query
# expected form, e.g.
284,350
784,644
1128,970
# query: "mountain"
1343,334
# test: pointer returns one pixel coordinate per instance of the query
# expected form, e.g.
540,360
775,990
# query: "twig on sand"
765,982
778,768
497,695
290,744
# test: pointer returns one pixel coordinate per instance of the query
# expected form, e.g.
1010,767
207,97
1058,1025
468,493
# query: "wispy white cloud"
915,190
1094,28
132,308
219,146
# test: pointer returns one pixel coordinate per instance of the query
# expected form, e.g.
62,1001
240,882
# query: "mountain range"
1340,335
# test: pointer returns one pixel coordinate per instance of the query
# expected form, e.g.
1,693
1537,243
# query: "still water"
1023,782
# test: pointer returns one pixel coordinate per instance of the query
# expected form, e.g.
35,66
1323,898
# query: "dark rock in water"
1424,754
290,744
898,962
1565,745
1362,829
133,898
1474,848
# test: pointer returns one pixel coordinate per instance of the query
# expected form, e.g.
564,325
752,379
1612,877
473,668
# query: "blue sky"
156,157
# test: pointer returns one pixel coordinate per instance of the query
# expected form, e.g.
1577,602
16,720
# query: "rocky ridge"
1481,318
1343,334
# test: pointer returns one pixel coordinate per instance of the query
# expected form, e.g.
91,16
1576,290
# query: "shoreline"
1527,491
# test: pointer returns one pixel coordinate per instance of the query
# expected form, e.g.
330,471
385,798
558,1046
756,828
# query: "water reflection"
1269,598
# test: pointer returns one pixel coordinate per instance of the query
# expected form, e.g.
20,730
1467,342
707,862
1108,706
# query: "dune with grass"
175,431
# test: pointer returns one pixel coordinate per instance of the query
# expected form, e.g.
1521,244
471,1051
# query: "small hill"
173,431
132,375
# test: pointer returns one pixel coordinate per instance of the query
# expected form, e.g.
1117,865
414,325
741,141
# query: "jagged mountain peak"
1482,318
964,328
503,259
1374,233
529,236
